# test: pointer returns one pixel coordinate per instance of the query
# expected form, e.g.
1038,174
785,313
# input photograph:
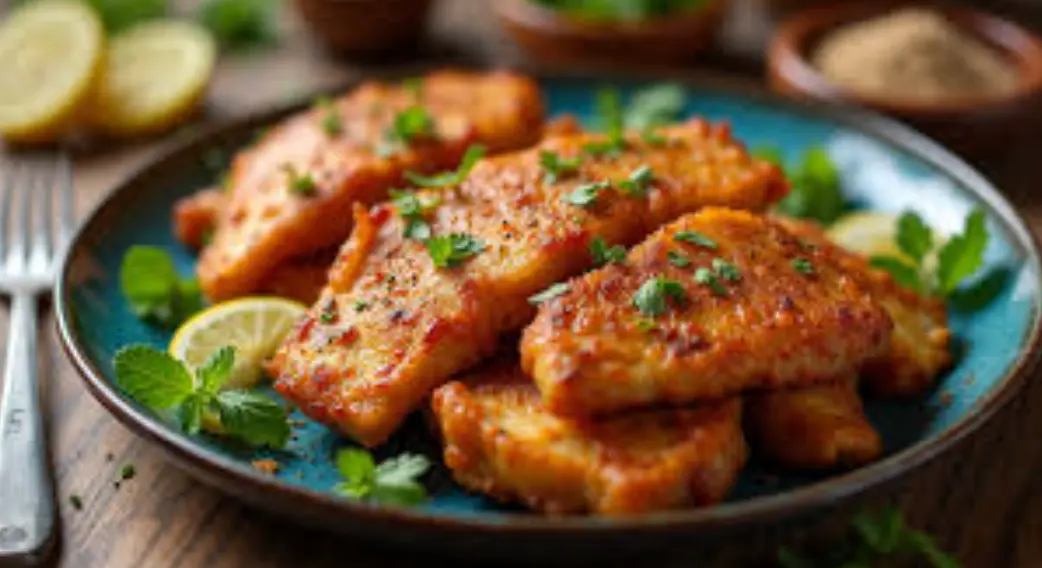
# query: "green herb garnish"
555,290
802,265
394,481
361,305
695,238
816,190
655,106
636,185
678,260
450,250
239,24
621,10
413,211
299,183
555,167
603,253
586,194
332,125
153,288
707,277
155,379
651,298
409,125
76,501
119,15
474,153
726,270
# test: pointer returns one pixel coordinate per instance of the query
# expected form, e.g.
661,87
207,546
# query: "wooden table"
988,510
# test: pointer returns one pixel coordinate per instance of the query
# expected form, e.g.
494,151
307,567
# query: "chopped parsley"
299,183
586,194
450,250
706,277
409,125
127,472
636,185
332,125
394,481
695,238
678,260
653,138
76,501
726,270
647,325
326,317
802,265
603,253
361,305
474,153
413,211
653,295
555,290
555,167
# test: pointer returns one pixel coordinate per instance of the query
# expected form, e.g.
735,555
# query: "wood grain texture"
985,504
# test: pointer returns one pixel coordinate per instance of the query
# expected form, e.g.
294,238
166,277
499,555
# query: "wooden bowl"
553,38
365,27
968,124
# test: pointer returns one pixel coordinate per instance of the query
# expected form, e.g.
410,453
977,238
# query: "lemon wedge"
51,51
254,326
868,233
156,75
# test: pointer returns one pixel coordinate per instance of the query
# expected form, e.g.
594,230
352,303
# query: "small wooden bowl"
553,38
969,124
366,27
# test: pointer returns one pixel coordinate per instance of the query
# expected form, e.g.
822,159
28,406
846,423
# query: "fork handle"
26,491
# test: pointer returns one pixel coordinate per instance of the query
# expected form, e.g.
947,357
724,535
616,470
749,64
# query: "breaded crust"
593,351
300,279
919,348
397,326
265,222
195,217
817,427
499,440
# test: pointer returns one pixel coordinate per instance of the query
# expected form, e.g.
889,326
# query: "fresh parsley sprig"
162,383
602,253
816,189
653,295
393,481
586,194
447,251
470,158
153,288
636,185
414,210
412,124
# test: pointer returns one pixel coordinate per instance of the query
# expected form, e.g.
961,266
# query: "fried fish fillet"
919,346
817,427
195,217
499,440
300,279
742,304
292,193
392,325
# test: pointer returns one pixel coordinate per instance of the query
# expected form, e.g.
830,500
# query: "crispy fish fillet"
392,326
781,315
195,217
300,279
266,221
501,441
818,427
919,346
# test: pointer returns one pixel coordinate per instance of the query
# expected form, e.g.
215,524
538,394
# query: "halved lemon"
254,326
51,51
156,75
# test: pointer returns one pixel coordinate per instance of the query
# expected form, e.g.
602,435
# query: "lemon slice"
156,75
51,51
254,326
868,233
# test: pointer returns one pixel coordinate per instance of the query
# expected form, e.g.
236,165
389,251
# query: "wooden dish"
552,38
969,124
365,27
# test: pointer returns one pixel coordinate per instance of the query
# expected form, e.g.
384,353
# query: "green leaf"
637,183
816,191
586,194
411,124
881,532
190,414
726,270
981,292
770,154
300,183
358,469
239,24
417,230
474,153
555,167
963,254
602,253
217,369
553,291
655,106
705,277
923,544
609,110
678,260
413,210
914,238
119,15
803,266
331,123
253,417
695,238
654,139
402,468
402,494
152,377
450,250
903,273
149,282
651,298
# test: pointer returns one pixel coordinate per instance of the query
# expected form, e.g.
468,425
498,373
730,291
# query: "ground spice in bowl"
914,55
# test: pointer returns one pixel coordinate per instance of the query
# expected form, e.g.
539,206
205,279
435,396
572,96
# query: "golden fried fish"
400,316
716,303
499,440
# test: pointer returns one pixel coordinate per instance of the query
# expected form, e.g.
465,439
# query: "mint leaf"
924,545
190,414
152,377
903,273
402,468
119,15
450,250
602,253
655,106
239,24
881,532
149,281
816,191
914,238
963,254
217,369
358,469
253,417
474,153
403,494
553,291
651,298
980,293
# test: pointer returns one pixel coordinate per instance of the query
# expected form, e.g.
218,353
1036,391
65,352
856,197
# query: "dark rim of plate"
261,489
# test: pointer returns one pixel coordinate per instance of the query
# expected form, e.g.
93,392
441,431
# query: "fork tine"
66,200
16,200
43,196
10,178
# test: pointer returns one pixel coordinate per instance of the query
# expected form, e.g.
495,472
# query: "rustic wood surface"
986,505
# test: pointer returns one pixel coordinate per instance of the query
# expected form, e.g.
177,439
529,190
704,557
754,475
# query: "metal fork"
36,190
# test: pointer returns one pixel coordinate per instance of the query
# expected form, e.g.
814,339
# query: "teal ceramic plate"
884,167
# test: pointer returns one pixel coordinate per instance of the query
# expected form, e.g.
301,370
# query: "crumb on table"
268,466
